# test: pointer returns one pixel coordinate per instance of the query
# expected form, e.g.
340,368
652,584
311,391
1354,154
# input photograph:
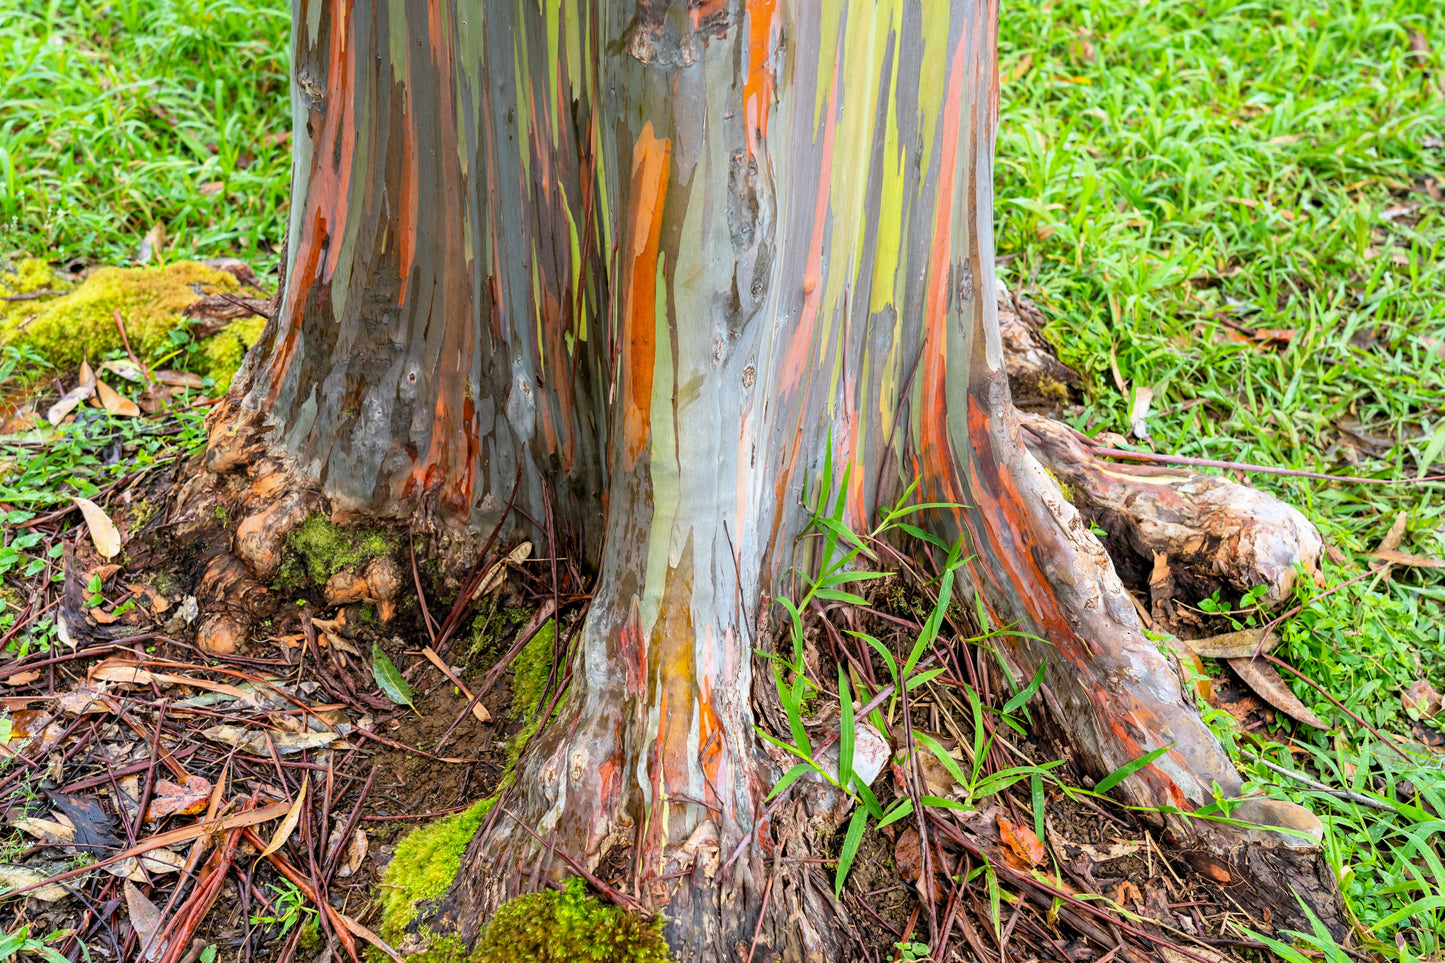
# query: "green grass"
1163,166
121,115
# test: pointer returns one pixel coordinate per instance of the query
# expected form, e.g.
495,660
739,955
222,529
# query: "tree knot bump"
667,35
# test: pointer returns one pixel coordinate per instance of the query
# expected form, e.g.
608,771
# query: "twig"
1262,469
1300,777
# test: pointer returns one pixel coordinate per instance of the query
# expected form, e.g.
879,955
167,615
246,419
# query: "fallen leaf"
497,574
908,855
1422,698
94,827
1022,842
369,936
152,244
1139,411
178,379
114,402
1232,645
102,530
186,798
254,741
125,368
1414,561
391,682
48,831
138,869
211,188
84,700
1265,681
145,919
21,678
288,824
68,402
478,710
14,877
355,853
1396,534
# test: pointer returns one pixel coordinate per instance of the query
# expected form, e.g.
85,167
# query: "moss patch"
81,322
321,548
225,351
425,864
560,927
530,671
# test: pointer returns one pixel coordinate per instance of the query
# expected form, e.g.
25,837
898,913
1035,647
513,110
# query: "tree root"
1211,533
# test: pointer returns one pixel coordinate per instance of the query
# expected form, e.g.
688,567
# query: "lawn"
1236,205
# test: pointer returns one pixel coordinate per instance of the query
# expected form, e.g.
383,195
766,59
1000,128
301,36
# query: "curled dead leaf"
1232,645
1022,843
186,798
102,530
1265,681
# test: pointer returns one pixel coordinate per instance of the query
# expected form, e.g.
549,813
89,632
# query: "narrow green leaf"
870,801
1129,768
1036,786
835,595
923,677
793,707
882,650
846,733
1028,693
923,536
938,802
389,679
856,825
790,777
902,809
1432,450
947,761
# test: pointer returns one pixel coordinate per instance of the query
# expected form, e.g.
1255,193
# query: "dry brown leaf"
1396,534
497,574
21,678
188,797
254,741
46,830
1404,558
1231,645
68,402
125,368
478,710
1126,893
15,877
1139,411
114,402
1422,697
178,379
145,919
1022,843
369,936
355,853
139,869
293,815
102,530
1265,681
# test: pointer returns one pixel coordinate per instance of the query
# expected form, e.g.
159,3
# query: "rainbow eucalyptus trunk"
655,258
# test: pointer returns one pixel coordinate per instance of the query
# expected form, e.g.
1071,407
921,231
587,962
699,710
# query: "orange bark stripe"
758,88
650,159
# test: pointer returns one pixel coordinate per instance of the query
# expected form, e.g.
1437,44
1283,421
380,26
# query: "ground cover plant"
1231,210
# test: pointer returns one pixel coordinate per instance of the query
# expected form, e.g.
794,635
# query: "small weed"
288,910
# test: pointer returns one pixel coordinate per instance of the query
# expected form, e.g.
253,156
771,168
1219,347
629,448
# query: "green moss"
81,322
530,671
310,942
225,351
326,548
567,926
425,864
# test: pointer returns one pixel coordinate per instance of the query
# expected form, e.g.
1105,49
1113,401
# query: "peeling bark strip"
665,252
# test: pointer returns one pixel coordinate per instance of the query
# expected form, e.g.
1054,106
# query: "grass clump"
568,926
321,548
81,322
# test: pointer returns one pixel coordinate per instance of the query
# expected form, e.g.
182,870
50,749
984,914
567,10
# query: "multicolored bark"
661,255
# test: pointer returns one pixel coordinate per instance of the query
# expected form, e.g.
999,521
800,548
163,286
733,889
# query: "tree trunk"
655,259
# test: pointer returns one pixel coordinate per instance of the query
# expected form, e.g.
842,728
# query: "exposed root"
1037,379
1186,533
